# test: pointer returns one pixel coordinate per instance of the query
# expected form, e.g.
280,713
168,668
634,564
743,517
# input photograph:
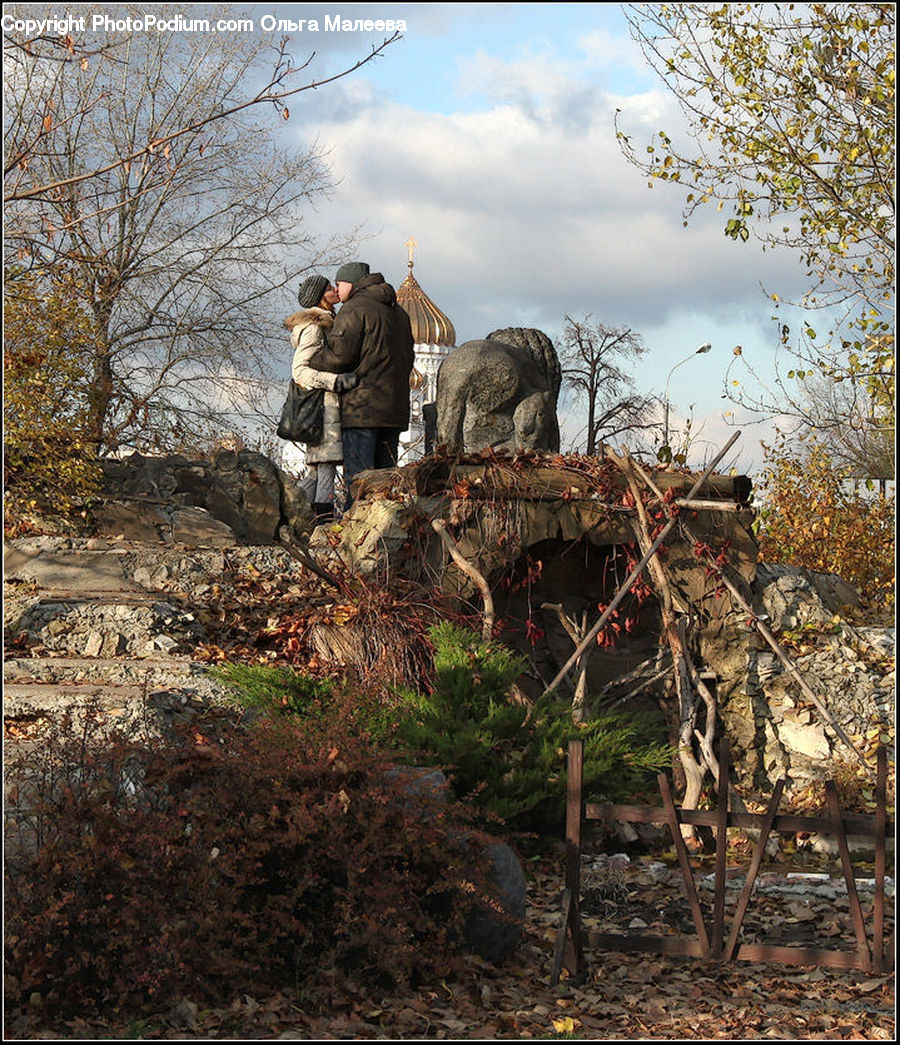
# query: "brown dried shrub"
140,870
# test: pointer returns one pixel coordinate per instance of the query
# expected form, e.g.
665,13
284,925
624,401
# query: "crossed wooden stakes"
571,938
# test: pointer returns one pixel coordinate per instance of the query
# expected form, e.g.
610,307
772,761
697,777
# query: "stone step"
48,568
125,597
142,624
25,700
78,668
28,706
25,675
79,569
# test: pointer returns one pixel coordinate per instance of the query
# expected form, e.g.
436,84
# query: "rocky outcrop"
774,730
552,517
498,510
117,619
233,497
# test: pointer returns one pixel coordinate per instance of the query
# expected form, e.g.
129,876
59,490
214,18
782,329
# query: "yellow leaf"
343,614
564,1025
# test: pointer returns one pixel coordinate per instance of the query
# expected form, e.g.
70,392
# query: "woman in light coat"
317,298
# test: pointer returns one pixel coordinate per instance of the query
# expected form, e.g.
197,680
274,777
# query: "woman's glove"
345,382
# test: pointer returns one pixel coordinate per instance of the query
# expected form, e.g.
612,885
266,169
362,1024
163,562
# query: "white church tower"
434,339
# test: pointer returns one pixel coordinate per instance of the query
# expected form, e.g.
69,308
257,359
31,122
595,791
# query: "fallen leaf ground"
624,996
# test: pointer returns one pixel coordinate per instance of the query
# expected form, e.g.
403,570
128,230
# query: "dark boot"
324,512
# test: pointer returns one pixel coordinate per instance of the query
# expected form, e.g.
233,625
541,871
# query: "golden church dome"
429,325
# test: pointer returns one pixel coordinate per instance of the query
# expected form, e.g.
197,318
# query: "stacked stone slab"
117,614
114,622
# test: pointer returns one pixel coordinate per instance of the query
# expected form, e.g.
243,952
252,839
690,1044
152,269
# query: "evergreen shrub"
506,759
510,758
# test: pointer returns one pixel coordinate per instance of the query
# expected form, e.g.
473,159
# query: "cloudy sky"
487,135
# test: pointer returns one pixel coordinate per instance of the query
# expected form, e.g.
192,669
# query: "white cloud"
603,49
526,210
536,212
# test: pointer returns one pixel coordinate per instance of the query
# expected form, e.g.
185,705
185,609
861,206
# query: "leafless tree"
844,419
141,168
592,358
27,130
854,417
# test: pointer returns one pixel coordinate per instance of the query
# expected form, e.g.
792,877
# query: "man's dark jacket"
371,335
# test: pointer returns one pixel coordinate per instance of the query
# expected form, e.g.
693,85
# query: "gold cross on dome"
411,245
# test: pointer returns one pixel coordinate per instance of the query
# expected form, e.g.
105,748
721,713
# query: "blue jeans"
366,448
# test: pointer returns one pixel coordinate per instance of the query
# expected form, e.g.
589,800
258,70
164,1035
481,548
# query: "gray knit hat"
352,272
311,291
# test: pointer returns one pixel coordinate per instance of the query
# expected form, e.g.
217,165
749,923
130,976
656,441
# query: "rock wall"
120,615
773,728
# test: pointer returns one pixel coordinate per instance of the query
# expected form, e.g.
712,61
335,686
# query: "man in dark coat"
371,336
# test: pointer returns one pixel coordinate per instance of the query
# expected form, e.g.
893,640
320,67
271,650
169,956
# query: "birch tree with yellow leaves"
789,110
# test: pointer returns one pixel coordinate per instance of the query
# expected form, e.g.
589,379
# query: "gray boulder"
496,920
229,498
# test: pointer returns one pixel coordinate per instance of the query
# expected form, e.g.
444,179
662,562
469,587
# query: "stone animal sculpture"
500,392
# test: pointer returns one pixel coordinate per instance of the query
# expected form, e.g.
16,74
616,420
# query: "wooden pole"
570,924
759,851
684,863
880,860
308,561
635,573
856,915
721,848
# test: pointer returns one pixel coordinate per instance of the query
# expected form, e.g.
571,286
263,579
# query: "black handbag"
303,415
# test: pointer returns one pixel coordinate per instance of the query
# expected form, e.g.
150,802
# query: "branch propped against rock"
487,628
576,632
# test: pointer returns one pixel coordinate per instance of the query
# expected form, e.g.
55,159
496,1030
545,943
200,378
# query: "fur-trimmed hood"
319,316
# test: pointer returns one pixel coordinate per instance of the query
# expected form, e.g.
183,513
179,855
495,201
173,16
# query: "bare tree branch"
179,219
269,93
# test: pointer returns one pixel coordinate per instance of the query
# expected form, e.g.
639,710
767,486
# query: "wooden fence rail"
874,958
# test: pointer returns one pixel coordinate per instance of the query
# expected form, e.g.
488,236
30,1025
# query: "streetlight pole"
702,350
